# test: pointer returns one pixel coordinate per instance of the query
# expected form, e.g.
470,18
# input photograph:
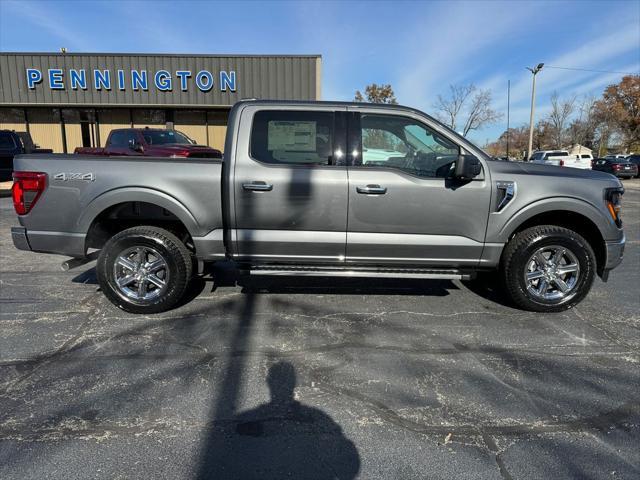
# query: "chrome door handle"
258,186
372,190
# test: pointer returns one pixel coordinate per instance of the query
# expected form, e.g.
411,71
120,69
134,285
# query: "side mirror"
136,146
467,167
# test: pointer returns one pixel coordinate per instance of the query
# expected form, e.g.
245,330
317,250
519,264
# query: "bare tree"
480,112
449,108
377,94
466,100
582,129
558,118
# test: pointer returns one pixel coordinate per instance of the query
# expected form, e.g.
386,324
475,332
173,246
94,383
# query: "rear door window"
293,137
118,139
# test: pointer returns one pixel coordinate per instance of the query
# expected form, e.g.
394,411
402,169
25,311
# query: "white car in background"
561,158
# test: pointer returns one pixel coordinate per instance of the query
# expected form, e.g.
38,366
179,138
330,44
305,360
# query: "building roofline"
201,55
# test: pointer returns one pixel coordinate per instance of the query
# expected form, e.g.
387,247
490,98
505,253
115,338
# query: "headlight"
613,199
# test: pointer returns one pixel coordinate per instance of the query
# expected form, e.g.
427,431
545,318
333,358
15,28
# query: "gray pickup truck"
324,189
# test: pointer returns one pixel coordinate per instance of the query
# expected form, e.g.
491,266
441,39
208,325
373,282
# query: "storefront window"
148,118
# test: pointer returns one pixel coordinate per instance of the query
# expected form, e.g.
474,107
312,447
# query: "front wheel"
144,270
548,268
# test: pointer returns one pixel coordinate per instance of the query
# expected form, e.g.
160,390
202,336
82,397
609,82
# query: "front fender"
137,194
603,222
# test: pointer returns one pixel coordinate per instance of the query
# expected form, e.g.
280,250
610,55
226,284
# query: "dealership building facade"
69,100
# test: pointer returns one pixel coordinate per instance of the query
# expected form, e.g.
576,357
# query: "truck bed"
79,188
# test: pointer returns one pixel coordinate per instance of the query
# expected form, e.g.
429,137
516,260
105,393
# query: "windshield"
162,137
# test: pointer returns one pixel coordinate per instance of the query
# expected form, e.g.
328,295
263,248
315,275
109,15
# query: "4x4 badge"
86,177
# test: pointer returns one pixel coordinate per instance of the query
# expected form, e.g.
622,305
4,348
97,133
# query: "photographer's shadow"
284,439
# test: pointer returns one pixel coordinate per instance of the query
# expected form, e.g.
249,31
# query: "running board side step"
423,273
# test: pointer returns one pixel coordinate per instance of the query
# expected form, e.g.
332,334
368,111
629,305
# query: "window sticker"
291,136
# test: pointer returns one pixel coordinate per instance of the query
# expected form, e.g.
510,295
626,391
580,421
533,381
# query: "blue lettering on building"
204,80
58,78
227,80
162,80
78,79
183,75
139,79
55,79
33,76
120,79
102,79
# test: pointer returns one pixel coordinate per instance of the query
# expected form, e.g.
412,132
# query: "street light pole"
508,108
534,71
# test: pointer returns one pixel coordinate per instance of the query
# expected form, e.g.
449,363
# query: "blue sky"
418,47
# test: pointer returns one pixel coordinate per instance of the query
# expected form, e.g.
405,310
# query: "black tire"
516,263
177,269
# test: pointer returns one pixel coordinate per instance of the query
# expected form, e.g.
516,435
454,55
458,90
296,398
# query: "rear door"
403,206
290,185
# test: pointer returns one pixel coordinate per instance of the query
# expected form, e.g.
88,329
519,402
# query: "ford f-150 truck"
150,142
325,189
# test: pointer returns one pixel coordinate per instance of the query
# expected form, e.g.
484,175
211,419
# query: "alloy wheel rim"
141,273
552,273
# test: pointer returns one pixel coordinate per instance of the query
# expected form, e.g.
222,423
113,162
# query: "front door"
290,186
404,207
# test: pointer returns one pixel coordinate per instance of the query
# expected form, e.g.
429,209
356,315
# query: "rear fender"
136,194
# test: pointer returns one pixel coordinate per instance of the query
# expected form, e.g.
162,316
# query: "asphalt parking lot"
323,379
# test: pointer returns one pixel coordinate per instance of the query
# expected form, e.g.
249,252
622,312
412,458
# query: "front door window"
405,144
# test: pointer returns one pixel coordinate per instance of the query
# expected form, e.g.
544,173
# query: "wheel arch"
580,217
119,209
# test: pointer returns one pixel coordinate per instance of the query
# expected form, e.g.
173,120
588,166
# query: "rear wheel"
144,270
548,268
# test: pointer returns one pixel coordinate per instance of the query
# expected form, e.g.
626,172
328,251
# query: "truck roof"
311,103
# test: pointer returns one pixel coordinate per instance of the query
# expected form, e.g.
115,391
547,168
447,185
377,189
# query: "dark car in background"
620,167
635,159
14,143
151,142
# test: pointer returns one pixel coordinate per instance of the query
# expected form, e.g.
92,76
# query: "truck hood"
189,150
543,170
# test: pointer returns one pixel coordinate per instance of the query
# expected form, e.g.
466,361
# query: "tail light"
613,197
562,163
27,188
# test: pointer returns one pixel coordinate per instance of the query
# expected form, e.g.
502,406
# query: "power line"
591,70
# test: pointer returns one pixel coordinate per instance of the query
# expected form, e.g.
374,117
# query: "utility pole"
534,71
508,107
